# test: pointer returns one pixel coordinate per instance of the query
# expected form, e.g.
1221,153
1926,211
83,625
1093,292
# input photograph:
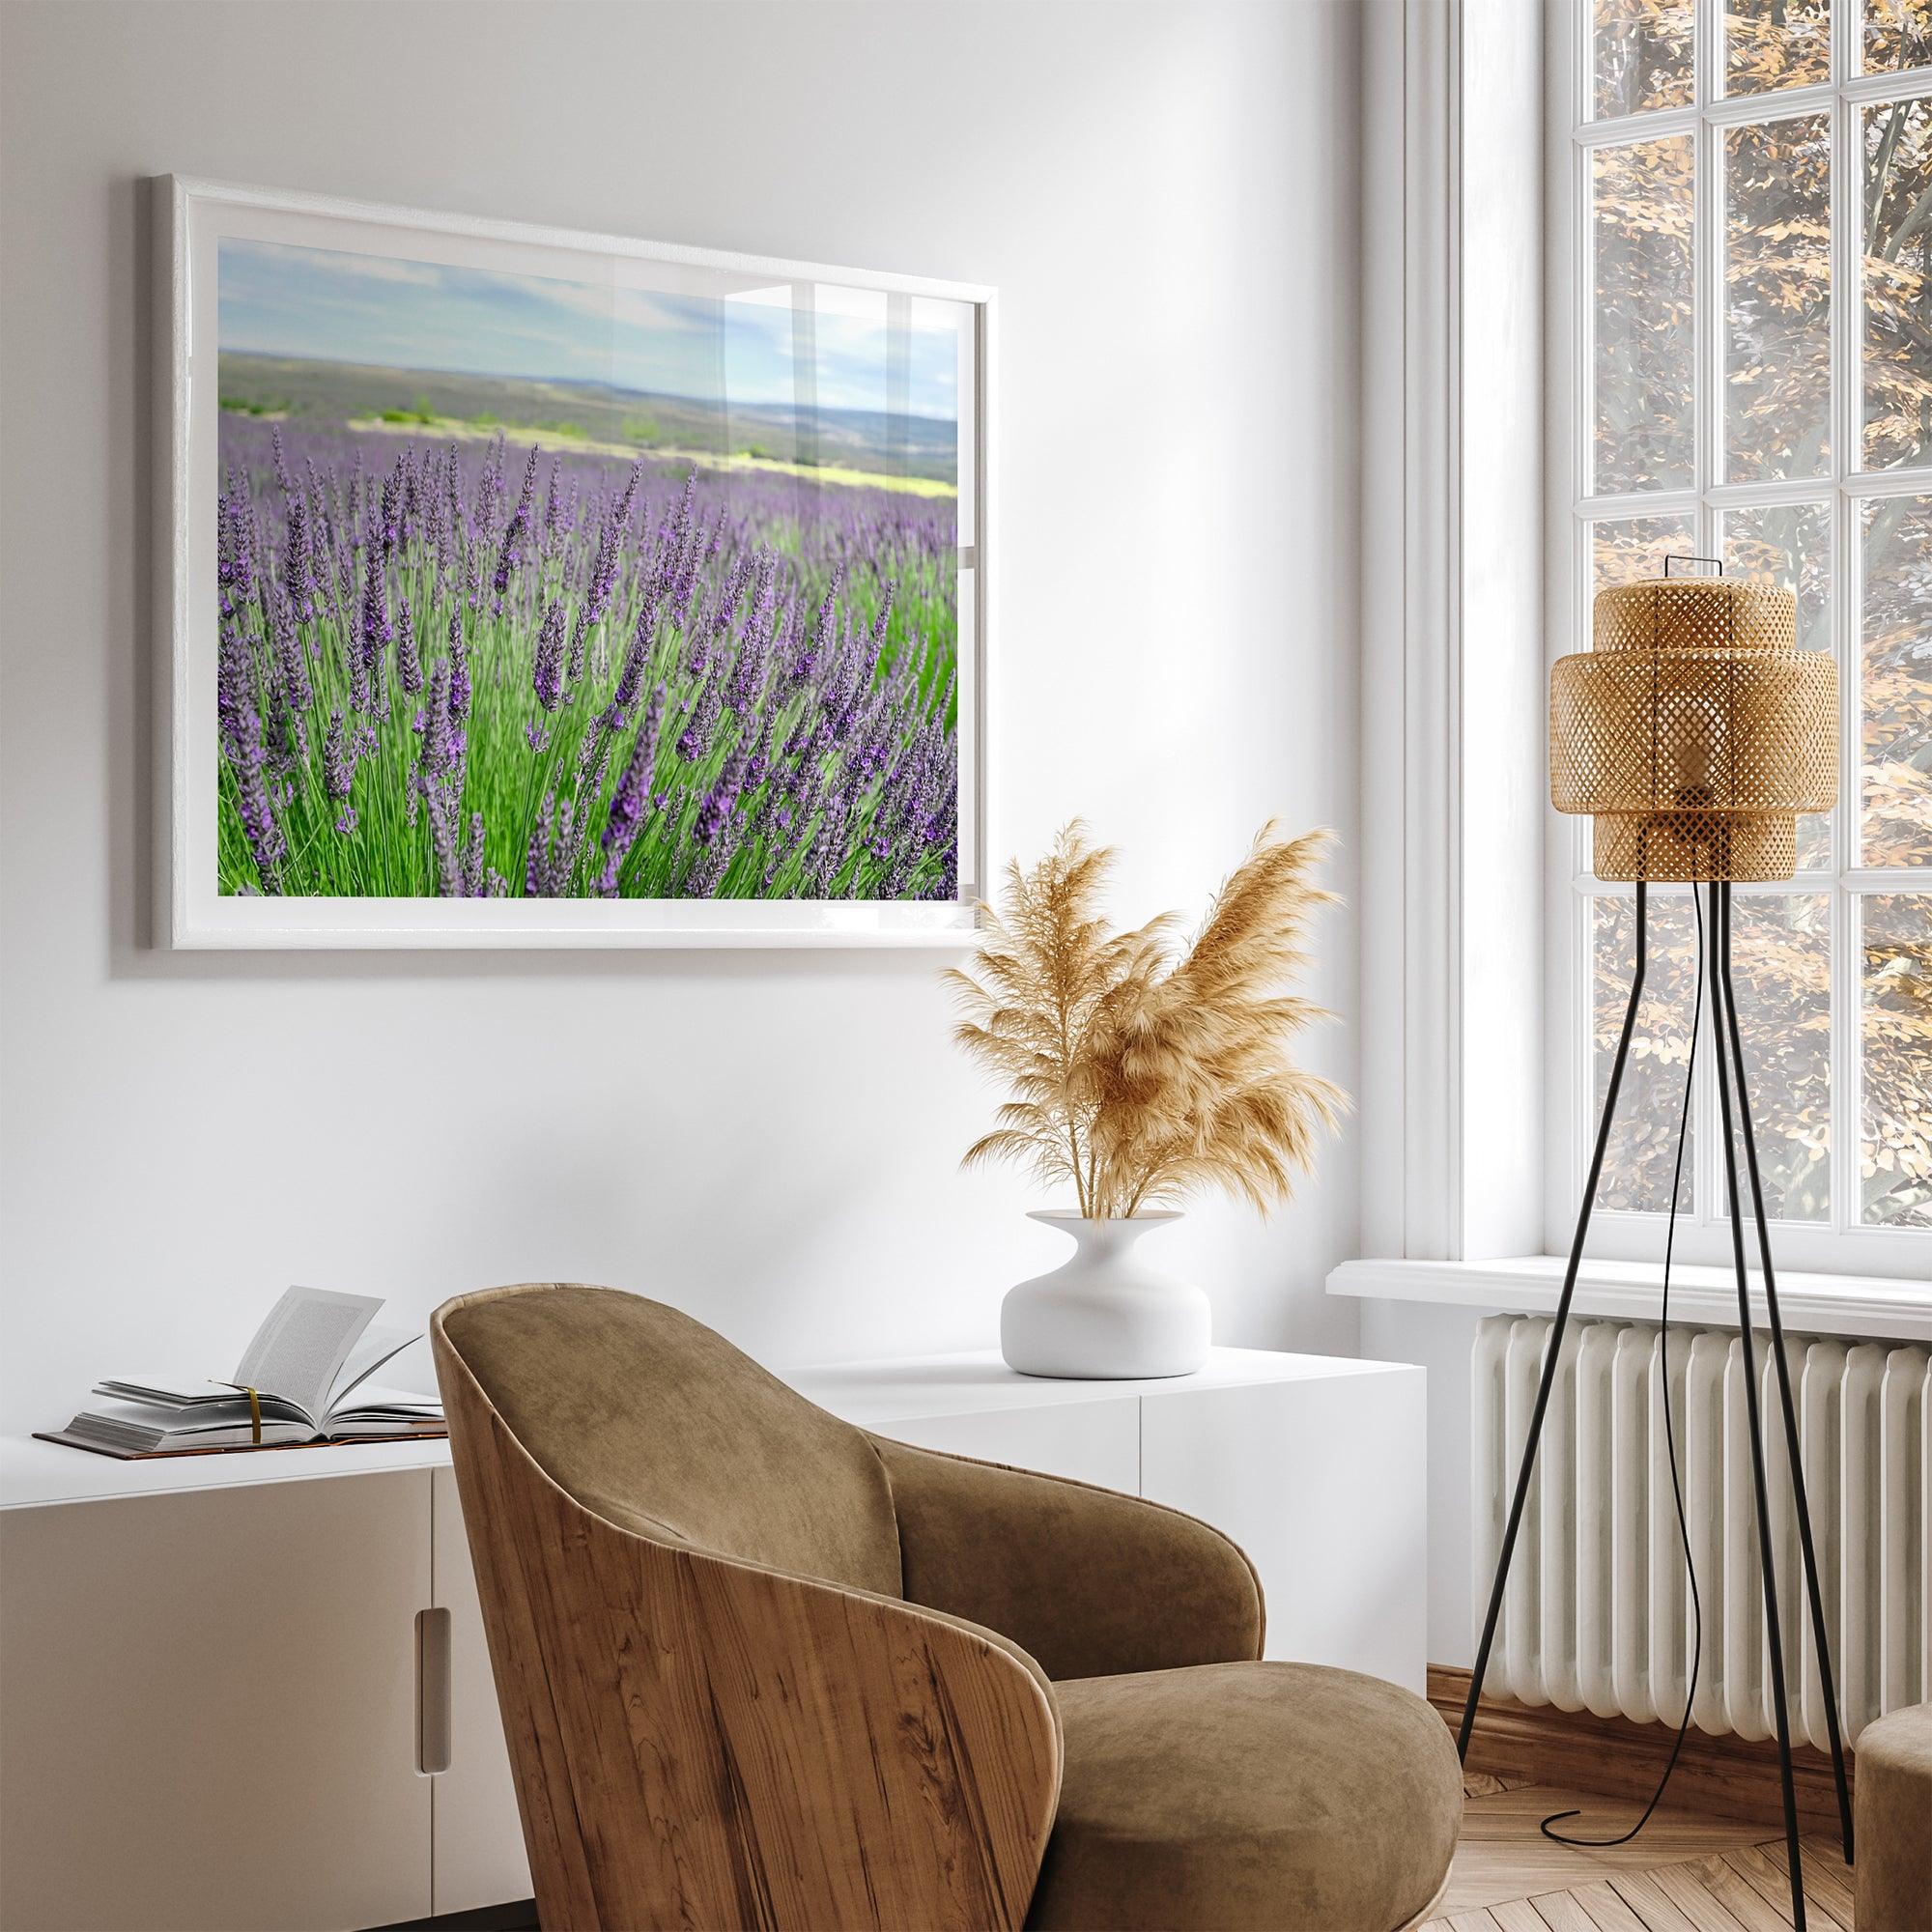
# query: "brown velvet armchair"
759,1669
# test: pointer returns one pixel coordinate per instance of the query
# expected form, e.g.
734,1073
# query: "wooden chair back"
700,1735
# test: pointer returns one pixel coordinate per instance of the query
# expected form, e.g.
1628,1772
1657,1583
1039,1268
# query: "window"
1745,277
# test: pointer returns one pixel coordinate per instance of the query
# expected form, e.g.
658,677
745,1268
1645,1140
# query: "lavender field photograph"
544,589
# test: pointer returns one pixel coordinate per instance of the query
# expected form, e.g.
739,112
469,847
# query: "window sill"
1810,1304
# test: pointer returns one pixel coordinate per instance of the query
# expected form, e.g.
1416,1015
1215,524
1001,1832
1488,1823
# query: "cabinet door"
1322,1482
211,1708
479,1839
1091,1441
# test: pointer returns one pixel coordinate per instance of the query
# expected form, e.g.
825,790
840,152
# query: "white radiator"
1597,1615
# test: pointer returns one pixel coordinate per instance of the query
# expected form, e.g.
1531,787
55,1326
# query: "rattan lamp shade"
1696,731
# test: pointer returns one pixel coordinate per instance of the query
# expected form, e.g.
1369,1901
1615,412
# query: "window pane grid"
1810,458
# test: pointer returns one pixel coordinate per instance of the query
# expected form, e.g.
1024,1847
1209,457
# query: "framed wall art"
537,588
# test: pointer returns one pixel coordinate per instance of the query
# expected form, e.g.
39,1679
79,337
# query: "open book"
310,1366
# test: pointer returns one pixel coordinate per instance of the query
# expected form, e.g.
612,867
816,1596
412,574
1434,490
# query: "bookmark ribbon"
254,1408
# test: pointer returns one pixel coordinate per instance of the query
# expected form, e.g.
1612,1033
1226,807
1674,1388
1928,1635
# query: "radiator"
1597,1616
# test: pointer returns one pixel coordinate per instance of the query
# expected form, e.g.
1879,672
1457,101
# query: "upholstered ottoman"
1894,1822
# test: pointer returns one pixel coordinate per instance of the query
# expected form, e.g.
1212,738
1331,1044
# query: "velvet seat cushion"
1247,1798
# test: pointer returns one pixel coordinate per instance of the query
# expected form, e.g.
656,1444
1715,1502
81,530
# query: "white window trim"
1468,877
1707,1298
1453,789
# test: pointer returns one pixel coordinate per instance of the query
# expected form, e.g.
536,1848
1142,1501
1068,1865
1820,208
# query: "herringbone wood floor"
1686,1873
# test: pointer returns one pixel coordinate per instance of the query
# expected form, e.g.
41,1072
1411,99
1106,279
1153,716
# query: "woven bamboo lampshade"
1696,731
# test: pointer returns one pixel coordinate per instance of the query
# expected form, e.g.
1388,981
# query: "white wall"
1165,197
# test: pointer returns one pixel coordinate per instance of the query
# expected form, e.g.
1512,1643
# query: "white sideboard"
226,1689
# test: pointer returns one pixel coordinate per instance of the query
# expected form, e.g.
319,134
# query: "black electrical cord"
1669,1435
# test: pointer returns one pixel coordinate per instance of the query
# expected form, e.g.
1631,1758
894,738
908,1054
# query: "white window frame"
1846,1245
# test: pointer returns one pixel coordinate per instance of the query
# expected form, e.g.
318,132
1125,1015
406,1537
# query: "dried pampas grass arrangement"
1139,1071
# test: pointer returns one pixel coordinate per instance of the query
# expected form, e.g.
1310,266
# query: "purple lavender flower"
453,506
296,574
713,809
392,509
473,869
290,658
547,675
536,861
436,760
637,658
490,486
375,628
338,759
246,757
412,489
459,671
233,688
265,838
408,665
604,573
700,722
234,548
818,621
552,517
681,554
557,843
632,797
440,810
285,736
511,553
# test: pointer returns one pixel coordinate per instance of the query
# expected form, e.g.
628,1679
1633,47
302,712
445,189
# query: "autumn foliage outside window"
1755,357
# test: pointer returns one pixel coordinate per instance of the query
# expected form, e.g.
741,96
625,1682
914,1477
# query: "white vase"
1105,1314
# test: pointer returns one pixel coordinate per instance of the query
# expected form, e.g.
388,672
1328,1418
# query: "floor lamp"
1693,733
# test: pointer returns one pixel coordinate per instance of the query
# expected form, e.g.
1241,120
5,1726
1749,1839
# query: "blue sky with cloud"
278,299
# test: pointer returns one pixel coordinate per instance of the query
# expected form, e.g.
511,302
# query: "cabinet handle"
432,1691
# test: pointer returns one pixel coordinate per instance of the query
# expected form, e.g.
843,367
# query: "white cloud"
329,261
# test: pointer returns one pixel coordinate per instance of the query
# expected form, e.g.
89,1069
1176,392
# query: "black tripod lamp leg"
1721,913
1821,1638
1554,1347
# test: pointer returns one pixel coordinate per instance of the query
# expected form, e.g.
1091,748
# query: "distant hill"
861,440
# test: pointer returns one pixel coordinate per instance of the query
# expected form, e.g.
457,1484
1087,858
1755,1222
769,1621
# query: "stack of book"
305,1377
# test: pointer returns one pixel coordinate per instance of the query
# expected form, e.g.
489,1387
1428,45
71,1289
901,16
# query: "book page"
176,1391
377,1347
300,1350
386,1411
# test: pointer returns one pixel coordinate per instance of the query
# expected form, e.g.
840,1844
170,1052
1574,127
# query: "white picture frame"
191,218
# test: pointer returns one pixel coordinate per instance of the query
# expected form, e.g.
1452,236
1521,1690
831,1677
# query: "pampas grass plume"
1141,1072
